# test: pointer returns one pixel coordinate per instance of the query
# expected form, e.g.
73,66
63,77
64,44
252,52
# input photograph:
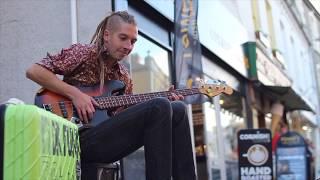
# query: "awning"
291,100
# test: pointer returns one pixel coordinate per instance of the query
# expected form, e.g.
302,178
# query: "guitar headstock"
214,87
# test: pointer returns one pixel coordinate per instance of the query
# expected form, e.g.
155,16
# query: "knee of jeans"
162,105
179,107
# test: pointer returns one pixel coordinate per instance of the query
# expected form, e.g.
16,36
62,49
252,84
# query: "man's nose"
128,45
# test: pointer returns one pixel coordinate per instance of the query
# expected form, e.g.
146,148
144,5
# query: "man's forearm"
50,81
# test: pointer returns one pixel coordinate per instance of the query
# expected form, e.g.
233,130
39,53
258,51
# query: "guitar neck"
123,100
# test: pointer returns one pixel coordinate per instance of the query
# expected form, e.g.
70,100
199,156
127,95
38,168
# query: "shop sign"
255,154
223,34
291,160
268,73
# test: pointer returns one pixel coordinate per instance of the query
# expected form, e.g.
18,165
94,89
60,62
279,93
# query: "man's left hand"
174,96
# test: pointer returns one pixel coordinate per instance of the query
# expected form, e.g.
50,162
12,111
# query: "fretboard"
123,100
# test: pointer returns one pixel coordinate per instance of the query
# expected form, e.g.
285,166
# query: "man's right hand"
47,79
85,106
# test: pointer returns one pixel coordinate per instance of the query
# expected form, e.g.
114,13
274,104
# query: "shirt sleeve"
65,61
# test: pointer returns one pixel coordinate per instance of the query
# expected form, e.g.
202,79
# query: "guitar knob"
75,120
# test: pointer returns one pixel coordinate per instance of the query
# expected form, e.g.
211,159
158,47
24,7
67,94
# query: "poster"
255,154
291,160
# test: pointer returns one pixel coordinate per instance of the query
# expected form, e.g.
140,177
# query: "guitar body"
62,106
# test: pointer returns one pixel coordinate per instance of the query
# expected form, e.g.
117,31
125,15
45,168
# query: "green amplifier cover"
39,145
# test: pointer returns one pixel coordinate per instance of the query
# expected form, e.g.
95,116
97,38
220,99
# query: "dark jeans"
159,125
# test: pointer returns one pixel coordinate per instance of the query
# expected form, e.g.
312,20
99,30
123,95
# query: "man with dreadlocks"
160,125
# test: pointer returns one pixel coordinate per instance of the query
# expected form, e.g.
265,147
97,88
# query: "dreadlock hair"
110,23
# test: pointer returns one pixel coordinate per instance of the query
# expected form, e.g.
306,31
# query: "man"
159,125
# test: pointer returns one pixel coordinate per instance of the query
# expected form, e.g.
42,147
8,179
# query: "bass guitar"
107,101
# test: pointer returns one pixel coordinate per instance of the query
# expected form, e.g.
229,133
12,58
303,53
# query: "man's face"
120,41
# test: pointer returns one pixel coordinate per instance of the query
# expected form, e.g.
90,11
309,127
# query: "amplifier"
36,145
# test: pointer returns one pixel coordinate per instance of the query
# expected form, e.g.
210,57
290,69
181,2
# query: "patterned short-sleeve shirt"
79,66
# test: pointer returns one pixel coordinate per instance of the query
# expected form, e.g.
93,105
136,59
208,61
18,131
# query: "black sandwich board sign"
255,154
291,157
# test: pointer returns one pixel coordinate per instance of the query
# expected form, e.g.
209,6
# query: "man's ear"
106,34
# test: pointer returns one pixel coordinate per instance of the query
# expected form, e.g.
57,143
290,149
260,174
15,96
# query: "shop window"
220,143
149,67
211,141
270,24
164,7
256,15
231,121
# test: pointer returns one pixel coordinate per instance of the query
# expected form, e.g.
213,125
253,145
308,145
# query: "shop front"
216,132
279,106
273,92
223,116
217,121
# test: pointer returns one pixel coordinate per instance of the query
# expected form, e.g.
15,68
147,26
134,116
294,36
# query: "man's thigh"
116,137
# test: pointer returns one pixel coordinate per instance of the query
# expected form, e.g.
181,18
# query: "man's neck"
110,62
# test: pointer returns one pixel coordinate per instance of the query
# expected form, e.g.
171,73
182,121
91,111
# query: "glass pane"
231,121
166,7
211,133
211,130
149,67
